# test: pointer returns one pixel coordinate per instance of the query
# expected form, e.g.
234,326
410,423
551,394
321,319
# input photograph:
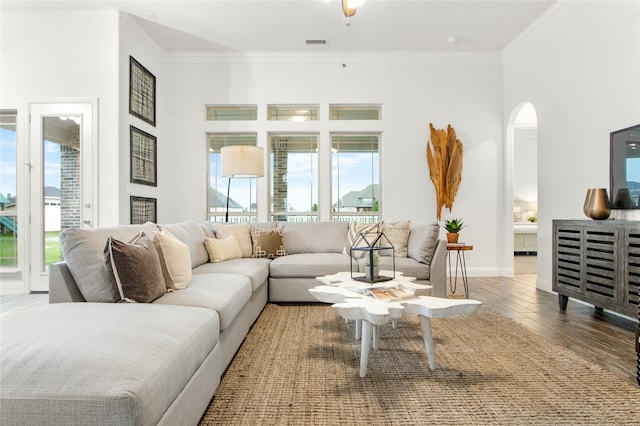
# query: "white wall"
66,55
46,55
525,164
135,42
458,89
580,69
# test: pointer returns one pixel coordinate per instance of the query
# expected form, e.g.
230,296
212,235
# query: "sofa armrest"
437,270
62,286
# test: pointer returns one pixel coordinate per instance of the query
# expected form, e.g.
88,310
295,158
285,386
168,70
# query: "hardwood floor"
604,339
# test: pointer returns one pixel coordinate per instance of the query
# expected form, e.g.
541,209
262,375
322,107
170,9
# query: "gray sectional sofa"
159,363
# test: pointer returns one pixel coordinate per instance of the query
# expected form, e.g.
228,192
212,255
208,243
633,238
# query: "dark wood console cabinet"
598,262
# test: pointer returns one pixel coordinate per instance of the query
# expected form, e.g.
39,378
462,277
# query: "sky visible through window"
8,184
633,170
355,175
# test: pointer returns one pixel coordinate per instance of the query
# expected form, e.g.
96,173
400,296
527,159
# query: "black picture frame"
142,92
142,209
143,157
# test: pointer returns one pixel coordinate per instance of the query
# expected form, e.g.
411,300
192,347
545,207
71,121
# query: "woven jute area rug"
300,363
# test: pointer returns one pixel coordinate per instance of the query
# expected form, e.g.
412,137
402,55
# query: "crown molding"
547,18
128,23
323,57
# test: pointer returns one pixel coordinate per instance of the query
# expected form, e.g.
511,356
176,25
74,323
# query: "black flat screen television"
624,168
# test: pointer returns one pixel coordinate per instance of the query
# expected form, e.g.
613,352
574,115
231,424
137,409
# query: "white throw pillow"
398,235
175,259
242,233
221,249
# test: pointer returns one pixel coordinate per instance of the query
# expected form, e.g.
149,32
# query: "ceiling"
284,26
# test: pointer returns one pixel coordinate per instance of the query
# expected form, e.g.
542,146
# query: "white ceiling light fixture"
349,7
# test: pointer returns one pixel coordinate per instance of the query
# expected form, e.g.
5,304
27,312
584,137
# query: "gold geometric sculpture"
444,157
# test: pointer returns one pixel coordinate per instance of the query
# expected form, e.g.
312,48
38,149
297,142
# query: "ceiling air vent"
316,42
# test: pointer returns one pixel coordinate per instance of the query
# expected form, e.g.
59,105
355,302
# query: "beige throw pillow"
355,229
175,259
268,243
241,231
222,249
134,268
398,235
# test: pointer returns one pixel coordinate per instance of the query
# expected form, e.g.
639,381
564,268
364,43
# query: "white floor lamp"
241,161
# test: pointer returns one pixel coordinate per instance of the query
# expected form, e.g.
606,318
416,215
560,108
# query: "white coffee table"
371,312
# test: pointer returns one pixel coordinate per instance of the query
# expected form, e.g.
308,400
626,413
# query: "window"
355,192
8,188
355,112
292,112
242,192
294,178
232,113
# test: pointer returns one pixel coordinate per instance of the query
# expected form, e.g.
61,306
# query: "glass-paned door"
60,181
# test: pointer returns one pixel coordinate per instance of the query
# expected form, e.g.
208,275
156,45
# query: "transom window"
292,112
232,113
355,112
242,192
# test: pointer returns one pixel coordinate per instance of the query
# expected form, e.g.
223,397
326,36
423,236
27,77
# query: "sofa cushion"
315,237
423,240
407,265
221,249
398,235
207,228
370,232
192,234
83,250
135,269
83,363
225,293
267,243
241,231
257,270
175,259
309,265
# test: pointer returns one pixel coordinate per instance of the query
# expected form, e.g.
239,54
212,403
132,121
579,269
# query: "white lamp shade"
242,161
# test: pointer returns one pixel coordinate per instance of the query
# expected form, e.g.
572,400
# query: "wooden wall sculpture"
444,157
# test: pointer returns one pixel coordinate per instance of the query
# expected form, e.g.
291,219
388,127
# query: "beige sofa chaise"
160,363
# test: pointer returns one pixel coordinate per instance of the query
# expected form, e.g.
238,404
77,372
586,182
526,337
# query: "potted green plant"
372,273
453,227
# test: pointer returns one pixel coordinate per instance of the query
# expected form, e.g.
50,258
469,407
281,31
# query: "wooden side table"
460,249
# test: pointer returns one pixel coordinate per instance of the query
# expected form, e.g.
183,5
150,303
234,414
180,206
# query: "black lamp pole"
226,217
